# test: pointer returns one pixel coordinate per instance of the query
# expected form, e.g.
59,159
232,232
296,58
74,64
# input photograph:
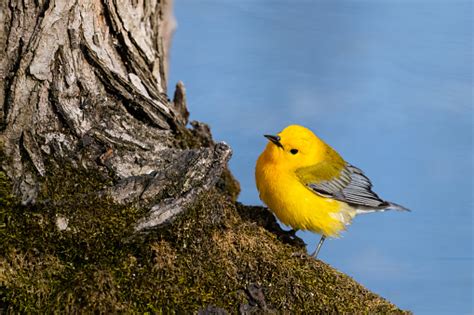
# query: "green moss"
45,268
218,255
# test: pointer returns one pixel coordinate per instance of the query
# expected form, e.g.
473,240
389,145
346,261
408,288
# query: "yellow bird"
309,186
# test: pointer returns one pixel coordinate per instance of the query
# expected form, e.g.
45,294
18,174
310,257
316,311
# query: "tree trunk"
84,83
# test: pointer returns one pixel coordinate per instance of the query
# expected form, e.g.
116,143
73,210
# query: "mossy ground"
218,256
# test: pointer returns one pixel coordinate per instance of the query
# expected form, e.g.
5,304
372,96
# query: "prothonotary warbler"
309,186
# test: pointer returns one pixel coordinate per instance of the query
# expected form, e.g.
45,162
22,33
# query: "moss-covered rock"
75,251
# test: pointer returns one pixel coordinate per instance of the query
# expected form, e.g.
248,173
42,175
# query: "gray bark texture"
84,82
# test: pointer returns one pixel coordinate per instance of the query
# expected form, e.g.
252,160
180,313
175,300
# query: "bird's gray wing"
350,186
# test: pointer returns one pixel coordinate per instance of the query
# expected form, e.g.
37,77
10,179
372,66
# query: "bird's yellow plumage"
310,187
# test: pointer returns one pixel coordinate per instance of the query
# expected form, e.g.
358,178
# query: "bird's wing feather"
342,182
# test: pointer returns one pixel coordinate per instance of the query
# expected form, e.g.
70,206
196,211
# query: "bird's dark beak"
275,140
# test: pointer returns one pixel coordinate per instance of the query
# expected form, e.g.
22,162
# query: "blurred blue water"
389,84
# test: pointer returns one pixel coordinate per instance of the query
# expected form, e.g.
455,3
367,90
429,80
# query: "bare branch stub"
84,83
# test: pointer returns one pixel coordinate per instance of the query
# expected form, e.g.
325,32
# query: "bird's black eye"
293,151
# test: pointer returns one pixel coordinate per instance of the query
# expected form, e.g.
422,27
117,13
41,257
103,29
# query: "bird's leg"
321,241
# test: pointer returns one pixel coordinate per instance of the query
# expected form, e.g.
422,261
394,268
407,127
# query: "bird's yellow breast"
297,206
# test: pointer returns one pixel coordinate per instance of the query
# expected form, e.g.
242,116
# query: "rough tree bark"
84,82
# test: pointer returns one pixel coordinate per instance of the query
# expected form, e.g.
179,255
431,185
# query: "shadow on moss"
75,251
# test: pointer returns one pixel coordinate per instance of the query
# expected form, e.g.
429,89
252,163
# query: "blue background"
389,85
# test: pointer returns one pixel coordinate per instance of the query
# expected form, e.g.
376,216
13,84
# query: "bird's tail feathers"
394,206
386,206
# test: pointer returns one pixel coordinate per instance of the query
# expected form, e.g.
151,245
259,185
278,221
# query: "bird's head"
295,147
